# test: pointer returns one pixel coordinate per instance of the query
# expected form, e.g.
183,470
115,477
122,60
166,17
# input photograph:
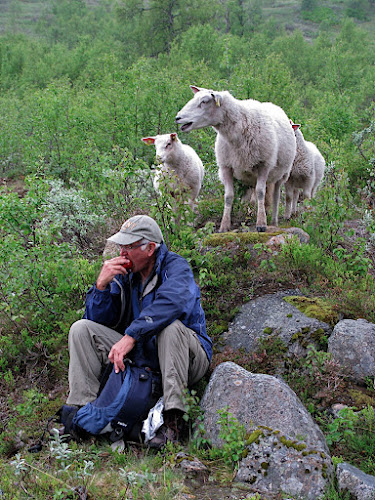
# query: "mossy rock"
360,398
221,239
314,308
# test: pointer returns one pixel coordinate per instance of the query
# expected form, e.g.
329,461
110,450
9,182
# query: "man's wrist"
100,285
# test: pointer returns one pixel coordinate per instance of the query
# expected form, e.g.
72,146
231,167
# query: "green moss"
221,239
314,308
254,436
360,398
265,465
292,444
318,334
289,315
296,336
266,428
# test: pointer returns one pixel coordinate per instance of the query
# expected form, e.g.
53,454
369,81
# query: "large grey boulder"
285,451
272,315
352,344
361,486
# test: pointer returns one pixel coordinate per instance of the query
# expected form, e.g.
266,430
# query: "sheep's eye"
168,145
204,101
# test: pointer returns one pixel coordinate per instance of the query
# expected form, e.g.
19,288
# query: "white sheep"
254,143
306,174
178,160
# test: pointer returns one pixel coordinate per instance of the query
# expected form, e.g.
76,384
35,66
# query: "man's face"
140,255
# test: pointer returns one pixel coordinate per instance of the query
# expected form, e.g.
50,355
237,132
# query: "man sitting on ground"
147,296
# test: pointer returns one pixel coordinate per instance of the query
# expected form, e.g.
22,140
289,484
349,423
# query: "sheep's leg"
276,202
288,201
261,224
269,195
249,196
227,179
295,200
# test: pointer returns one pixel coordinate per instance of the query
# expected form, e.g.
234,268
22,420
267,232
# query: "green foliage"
32,399
195,416
318,14
232,435
325,220
358,9
40,272
355,260
354,430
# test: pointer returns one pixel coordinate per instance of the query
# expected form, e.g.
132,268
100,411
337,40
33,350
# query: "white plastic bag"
154,420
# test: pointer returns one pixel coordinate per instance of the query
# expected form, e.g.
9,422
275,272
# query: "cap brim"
121,238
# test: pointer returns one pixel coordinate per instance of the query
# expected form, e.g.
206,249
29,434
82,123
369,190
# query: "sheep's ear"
174,136
149,140
217,99
196,89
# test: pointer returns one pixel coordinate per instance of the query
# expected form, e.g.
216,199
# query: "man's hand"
119,351
109,270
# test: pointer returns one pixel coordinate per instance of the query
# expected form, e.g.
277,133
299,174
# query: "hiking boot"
169,431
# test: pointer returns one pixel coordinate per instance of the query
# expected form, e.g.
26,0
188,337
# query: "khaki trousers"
182,359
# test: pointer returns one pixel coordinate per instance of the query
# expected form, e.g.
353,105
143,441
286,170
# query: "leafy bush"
39,272
326,214
352,433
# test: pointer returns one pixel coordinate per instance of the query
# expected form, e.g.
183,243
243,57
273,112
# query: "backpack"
120,408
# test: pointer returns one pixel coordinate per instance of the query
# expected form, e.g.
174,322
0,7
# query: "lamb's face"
201,111
164,145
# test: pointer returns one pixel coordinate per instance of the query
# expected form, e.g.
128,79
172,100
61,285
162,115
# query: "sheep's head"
164,145
201,111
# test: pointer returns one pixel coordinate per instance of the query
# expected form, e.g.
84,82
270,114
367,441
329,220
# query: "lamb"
255,144
180,160
306,174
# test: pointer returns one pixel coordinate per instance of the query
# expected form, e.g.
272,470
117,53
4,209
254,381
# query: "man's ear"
151,248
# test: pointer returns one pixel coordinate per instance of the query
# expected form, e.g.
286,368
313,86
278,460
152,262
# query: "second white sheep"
179,160
306,174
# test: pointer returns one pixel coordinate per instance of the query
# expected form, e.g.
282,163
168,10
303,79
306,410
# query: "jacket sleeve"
174,299
103,306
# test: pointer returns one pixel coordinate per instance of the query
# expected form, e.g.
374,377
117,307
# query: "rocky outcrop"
352,344
285,451
272,315
361,486
286,236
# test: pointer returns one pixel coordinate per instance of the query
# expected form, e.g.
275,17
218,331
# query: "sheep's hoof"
261,229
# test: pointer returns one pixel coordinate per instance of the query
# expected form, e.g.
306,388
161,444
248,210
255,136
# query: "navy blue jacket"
170,294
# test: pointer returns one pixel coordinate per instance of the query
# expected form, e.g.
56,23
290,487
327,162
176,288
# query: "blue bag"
124,401
120,408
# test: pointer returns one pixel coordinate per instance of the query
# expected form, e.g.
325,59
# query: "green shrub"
43,278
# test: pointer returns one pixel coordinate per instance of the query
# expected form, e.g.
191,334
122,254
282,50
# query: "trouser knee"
78,331
172,336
